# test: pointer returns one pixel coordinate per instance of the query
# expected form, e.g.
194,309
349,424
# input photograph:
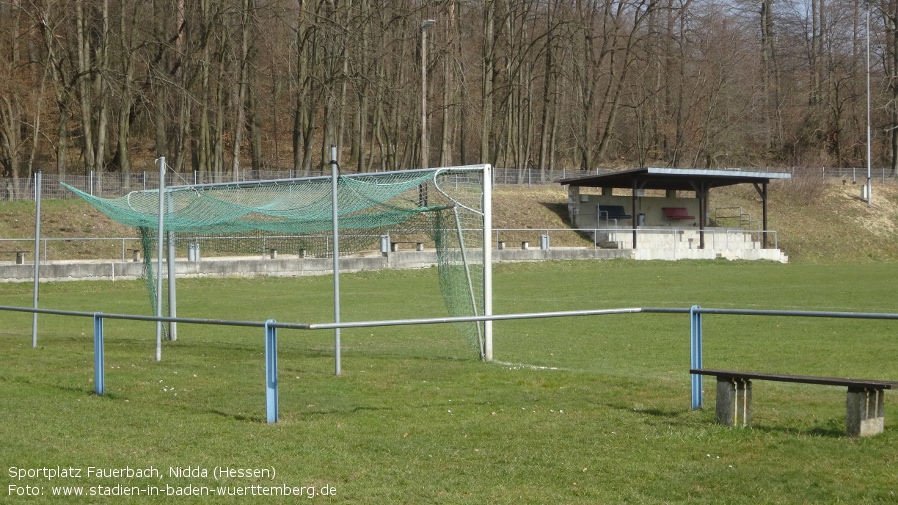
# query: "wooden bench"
613,212
675,213
20,256
864,416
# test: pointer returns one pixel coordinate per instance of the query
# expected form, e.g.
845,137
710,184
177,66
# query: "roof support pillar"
701,193
702,212
761,188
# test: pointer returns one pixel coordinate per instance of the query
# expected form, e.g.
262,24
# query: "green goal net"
442,209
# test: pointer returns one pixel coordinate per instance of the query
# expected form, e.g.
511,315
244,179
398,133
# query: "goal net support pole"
335,172
487,209
159,244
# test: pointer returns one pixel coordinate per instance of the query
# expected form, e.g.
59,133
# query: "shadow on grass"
560,209
655,415
239,417
830,430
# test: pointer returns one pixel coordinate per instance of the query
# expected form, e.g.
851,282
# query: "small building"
660,207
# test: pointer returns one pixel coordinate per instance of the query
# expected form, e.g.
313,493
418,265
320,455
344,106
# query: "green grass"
575,410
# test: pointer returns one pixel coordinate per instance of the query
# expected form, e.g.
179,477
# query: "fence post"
99,365
695,328
271,371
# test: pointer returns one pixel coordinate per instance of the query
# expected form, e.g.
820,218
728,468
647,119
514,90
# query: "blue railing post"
695,361
99,365
271,371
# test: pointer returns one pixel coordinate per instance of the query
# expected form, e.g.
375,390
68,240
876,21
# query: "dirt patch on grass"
879,218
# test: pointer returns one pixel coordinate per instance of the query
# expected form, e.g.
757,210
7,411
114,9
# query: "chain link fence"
115,184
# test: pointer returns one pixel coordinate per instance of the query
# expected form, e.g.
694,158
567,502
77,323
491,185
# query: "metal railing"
123,248
115,184
695,333
270,327
715,238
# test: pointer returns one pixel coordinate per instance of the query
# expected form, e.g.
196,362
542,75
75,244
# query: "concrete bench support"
733,401
865,412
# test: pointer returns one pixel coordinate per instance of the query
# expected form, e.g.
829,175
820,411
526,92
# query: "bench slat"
806,379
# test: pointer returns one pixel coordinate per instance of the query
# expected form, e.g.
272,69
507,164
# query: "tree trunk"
10,141
240,87
486,91
84,89
891,24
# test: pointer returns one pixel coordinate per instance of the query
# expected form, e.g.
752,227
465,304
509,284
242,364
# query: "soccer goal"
448,209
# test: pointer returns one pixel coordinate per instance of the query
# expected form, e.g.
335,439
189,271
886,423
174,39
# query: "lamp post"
869,136
424,26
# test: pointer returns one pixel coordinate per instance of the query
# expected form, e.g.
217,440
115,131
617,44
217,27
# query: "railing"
92,248
695,332
115,184
270,327
715,238
737,215
95,248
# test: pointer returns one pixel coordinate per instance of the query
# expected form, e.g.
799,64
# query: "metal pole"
271,371
172,291
37,251
487,261
99,358
869,135
335,213
695,361
424,25
461,244
159,240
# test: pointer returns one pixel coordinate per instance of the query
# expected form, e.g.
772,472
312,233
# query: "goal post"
449,207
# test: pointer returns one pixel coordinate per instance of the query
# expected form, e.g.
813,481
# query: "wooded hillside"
217,85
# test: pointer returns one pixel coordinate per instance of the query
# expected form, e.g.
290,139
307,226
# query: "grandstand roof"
674,178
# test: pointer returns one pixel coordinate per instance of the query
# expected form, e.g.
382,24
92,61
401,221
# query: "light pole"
424,26
869,136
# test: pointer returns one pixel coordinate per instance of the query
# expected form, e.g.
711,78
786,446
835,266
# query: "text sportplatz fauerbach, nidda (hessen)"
152,481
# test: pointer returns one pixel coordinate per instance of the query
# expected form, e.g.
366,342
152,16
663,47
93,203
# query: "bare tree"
889,11
771,77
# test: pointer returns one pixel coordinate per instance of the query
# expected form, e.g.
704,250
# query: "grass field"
575,410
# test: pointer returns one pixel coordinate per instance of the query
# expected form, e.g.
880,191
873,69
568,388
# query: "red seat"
676,213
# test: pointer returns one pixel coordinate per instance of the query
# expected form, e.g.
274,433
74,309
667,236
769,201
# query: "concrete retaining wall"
297,267
279,267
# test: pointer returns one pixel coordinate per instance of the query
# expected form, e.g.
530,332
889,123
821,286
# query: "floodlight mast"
869,135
